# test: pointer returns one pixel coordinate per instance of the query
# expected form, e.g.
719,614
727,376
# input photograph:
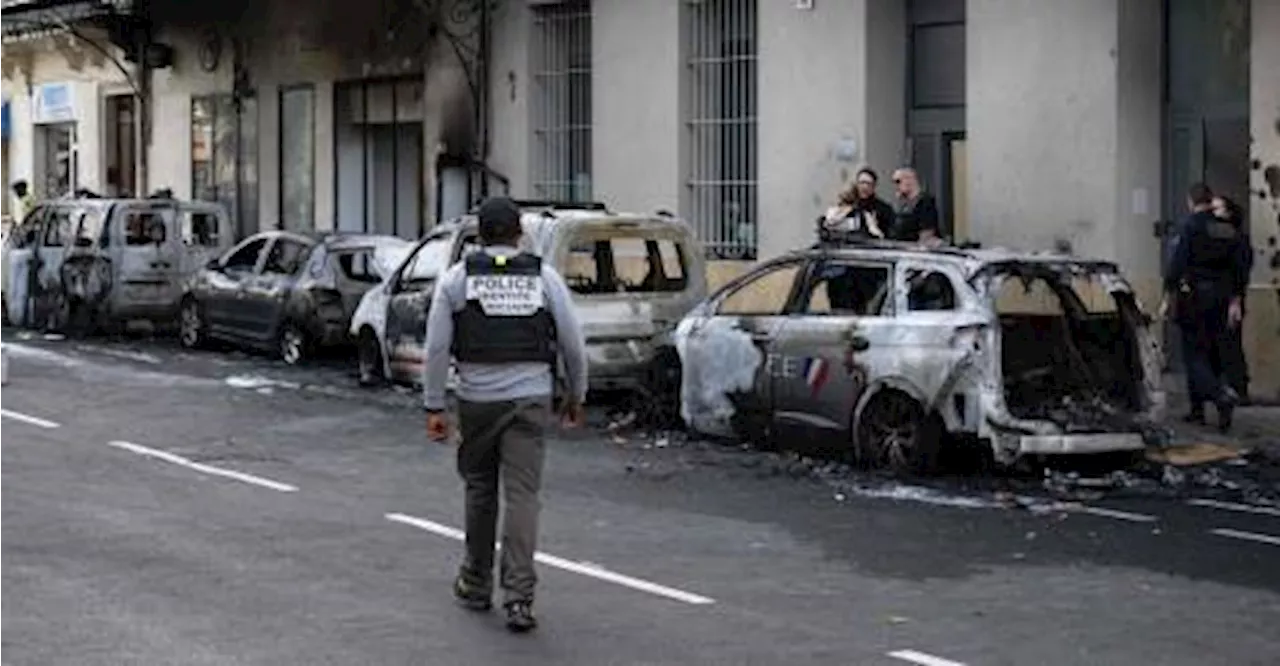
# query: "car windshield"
432,258
609,262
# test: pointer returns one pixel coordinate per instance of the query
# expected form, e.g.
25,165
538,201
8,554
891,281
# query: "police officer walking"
1206,282
504,316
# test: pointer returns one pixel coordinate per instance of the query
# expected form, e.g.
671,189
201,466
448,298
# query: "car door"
411,290
728,351
148,266
843,314
266,292
55,233
224,287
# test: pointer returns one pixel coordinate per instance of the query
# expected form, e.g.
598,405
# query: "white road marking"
1121,515
584,568
1248,536
201,467
1232,506
35,421
923,659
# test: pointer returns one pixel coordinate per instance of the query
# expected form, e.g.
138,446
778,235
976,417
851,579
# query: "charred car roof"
974,260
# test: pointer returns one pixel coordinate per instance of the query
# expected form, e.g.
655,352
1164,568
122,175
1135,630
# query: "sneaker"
520,616
1226,409
471,596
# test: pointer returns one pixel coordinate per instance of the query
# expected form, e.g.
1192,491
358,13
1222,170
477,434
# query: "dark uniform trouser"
1205,341
502,439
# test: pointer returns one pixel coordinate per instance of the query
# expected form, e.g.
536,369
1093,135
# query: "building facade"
1037,123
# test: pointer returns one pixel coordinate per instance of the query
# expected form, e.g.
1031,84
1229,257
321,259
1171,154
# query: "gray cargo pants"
502,440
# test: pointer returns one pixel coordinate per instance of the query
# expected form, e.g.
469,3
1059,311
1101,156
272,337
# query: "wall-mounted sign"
53,103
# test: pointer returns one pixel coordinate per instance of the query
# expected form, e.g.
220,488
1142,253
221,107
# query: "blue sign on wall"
4,121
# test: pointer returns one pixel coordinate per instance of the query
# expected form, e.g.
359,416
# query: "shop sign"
53,103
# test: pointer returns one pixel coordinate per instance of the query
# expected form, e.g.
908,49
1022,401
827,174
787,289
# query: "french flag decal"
815,374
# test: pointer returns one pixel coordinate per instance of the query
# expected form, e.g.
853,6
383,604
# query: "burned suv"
878,351
633,278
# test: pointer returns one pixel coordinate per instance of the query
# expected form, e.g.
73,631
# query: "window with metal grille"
721,119
562,101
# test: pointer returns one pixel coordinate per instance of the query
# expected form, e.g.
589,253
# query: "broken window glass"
625,264
931,292
848,289
764,294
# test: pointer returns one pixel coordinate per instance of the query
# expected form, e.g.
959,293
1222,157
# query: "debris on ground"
1199,453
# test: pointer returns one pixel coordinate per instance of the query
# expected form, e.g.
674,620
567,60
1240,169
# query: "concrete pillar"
509,95
1262,326
831,74
268,157
636,92
325,215
1064,119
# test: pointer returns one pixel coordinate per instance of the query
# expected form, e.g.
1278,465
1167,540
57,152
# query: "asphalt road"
161,507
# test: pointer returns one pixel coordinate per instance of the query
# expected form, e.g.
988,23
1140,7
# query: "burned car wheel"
191,325
292,345
895,434
369,359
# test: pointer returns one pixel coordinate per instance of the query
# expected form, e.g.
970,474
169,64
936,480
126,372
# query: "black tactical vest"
505,319
1214,248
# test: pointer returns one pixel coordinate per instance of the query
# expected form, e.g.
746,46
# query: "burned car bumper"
1079,444
620,364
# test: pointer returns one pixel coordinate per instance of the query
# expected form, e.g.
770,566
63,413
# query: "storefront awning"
33,19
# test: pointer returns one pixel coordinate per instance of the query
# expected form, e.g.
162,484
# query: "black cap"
499,220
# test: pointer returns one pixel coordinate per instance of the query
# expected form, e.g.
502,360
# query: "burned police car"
884,352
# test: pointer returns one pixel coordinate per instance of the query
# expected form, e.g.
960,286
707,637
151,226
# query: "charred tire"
292,344
895,433
369,359
191,324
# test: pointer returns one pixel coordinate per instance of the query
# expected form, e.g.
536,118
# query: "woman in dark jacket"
860,211
1235,368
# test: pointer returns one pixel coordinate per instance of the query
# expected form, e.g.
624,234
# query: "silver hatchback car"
877,351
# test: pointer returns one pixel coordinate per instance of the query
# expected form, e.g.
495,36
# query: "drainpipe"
142,37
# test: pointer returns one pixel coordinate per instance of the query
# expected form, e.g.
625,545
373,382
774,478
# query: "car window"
57,227
839,288
763,294
200,228
144,227
245,258
29,230
90,230
286,257
1030,297
427,263
358,265
616,264
930,291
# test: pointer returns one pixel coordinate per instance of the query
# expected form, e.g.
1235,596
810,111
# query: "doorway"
56,160
119,147
1206,100
378,153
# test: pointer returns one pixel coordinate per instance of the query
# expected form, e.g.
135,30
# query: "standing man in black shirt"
917,210
1206,283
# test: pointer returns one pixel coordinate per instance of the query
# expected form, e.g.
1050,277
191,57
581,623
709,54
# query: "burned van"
91,264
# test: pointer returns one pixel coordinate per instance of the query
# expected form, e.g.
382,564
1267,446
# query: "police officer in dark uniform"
1206,282
504,316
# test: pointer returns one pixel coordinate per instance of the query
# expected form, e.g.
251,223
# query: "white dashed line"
923,659
201,467
1248,536
1232,506
583,568
1119,515
35,421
